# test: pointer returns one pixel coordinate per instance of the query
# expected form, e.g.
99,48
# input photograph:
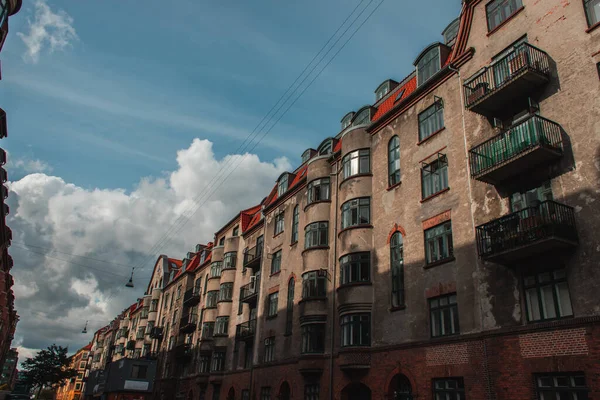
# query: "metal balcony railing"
246,330
191,297
533,230
253,255
250,290
188,323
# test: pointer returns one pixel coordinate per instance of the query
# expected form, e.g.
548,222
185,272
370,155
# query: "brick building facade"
441,245
73,388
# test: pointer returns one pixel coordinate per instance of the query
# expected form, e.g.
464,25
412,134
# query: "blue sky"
143,79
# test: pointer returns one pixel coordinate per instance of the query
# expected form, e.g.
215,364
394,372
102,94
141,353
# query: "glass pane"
564,299
533,305
548,302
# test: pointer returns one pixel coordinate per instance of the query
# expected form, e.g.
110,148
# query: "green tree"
48,369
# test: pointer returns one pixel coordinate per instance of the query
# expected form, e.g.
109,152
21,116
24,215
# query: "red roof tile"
255,220
409,87
338,146
246,216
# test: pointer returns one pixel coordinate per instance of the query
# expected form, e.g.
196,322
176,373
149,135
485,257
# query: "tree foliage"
49,368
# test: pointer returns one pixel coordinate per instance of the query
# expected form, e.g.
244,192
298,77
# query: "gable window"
314,285
276,262
229,260
547,295
282,185
355,163
438,243
221,326
397,268
444,315
295,223
272,304
226,291
289,316
216,268
355,268
431,120
428,65
449,389
279,222
499,11
212,298
318,190
356,212
563,385
434,176
236,231
394,161
269,349
313,338
316,234
356,330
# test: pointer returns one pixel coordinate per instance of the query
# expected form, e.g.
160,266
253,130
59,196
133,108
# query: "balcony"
252,257
249,292
144,313
246,330
188,323
183,352
527,144
191,297
547,227
131,345
515,75
156,333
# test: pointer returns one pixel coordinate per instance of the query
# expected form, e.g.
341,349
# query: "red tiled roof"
409,87
255,220
246,216
176,262
338,146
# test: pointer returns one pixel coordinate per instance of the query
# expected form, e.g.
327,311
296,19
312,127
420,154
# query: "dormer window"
428,64
347,120
451,32
382,91
306,156
282,185
326,147
362,117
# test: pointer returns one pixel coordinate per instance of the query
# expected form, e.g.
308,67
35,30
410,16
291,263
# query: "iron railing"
188,322
246,330
253,254
191,296
525,227
524,57
249,290
516,140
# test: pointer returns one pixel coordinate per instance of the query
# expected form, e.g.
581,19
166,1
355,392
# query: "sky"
122,116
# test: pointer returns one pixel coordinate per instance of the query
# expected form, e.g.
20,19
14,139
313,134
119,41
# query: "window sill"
210,308
275,273
278,234
352,177
316,202
593,27
420,142
442,337
505,21
398,308
214,277
312,298
394,186
293,244
439,262
352,284
269,317
315,248
434,195
220,335
224,301
363,226
229,268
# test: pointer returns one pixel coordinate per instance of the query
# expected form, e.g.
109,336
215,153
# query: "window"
314,284
313,338
178,292
355,163
198,286
531,198
279,223
306,156
547,295
311,391
444,315
205,283
78,386
80,376
382,90
397,268
448,389
272,304
208,329
236,231
245,394
248,357
215,269
347,120
226,291
265,393
431,120
295,222
282,185
82,365
221,326
564,385
166,300
216,391
356,212
592,11
325,147
428,65
276,262
318,190
499,11
289,316
269,349
438,243
229,260
154,305
218,361
356,330
355,268
174,320
204,364
212,298
363,117
316,235
222,241
139,371
451,32
434,176
394,161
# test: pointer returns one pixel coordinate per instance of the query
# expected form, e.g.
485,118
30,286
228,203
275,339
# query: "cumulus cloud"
52,30
54,298
28,165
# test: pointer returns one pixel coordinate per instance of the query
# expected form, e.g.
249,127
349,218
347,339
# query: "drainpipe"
477,262
334,277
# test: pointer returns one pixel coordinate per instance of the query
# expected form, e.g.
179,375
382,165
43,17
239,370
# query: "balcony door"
531,198
509,61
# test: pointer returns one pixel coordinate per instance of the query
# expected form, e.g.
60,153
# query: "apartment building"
440,245
8,314
8,379
74,388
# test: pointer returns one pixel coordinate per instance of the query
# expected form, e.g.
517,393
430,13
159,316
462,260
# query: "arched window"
295,222
326,147
400,388
363,117
282,185
347,120
289,317
397,268
428,63
394,161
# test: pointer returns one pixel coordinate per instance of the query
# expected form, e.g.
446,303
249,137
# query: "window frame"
448,392
440,318
229,258
394,161
225,292
517,3
216,268
236,231
217,361
282,185
269,349
312,284
279,225
295,223
313,338
208,330
347,268
272,304
289,312
432,179
139,371
538,285
315,187
431,120
348,165
447,240
347,322
555,389
210,302
311,391
316,234
426,60
276,262
221,326
360,204
397,269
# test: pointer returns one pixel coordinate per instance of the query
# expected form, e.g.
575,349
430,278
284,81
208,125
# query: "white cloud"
28,165
55,298
48,29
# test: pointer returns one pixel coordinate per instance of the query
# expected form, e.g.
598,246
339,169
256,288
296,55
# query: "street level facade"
441,245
